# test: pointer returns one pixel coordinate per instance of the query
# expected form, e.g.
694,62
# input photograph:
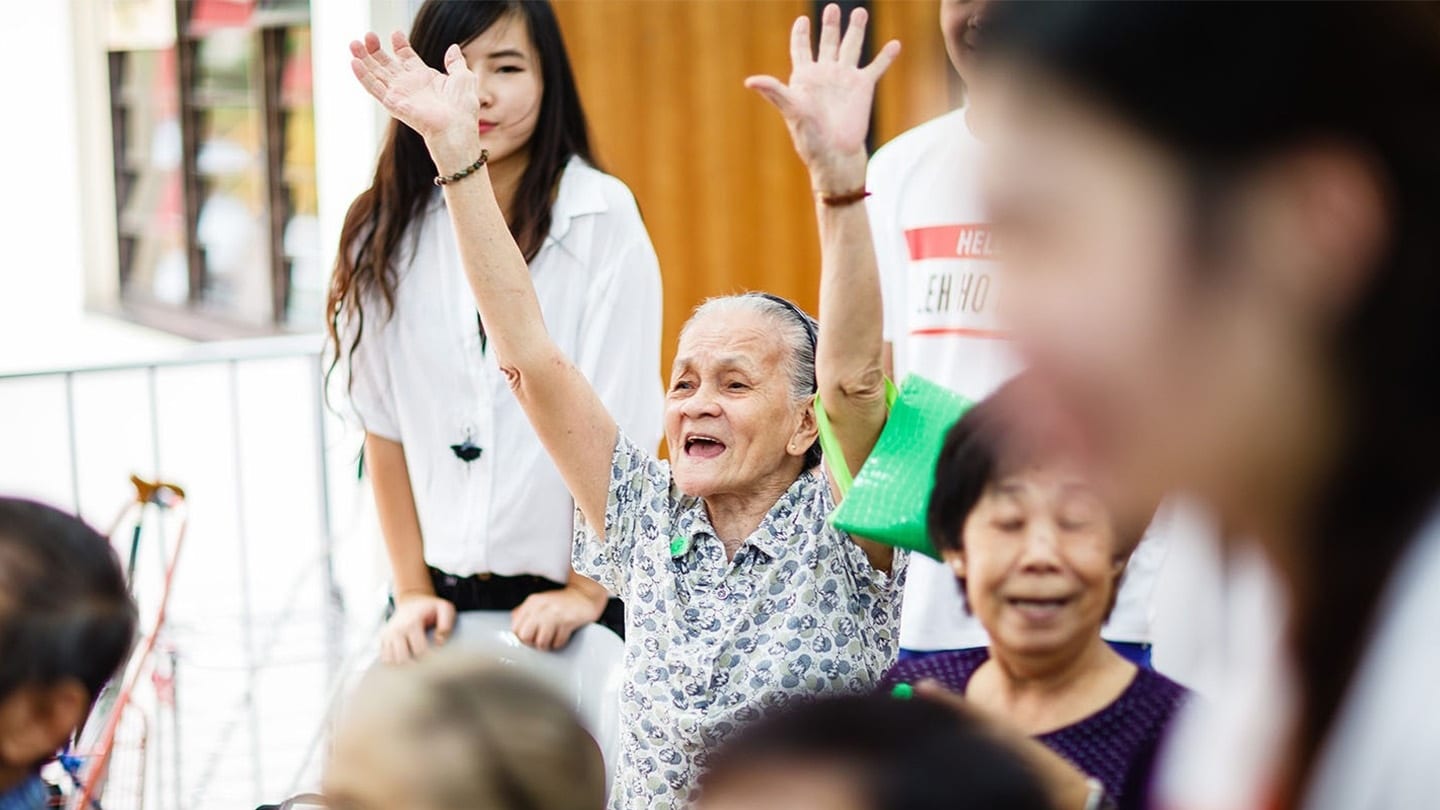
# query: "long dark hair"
1226,86
380,218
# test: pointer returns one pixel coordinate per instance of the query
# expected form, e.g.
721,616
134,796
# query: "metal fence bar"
334,604
74,441
231,354
199,354
247,605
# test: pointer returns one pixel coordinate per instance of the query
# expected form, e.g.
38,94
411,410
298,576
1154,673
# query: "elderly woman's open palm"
422,98
826,103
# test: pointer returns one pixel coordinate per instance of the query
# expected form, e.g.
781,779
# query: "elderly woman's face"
1040,560
731,420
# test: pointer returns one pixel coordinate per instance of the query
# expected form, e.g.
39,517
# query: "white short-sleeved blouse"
422,379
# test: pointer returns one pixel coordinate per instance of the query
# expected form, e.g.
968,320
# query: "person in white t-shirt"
474,514
941,285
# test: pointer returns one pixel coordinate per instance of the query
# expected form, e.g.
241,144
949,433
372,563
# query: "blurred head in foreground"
458,731
66,625
1219,223
866,752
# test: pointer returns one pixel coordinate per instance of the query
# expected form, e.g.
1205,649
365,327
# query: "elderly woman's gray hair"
797,331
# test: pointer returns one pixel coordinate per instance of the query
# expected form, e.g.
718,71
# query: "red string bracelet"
848,198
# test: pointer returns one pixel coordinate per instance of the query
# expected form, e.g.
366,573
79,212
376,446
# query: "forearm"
589,588
569,418
399,521
849,363
494,266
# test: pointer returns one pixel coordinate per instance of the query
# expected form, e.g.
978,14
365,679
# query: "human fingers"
800,43
401,45
372,83
414,638
563,635
829,34
772,90
853,42
376,51
522,623
455,61
394,648
444,620
883,60
544,635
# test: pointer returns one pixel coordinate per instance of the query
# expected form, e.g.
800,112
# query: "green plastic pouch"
886,502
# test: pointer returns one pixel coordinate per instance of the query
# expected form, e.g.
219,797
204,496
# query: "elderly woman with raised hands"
740,594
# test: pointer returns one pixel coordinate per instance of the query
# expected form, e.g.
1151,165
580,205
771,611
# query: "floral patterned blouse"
710,642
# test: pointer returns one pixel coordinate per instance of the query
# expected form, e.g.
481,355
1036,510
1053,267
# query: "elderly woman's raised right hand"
827,102
432,103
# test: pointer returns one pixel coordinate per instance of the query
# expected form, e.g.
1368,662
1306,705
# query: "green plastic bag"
886,502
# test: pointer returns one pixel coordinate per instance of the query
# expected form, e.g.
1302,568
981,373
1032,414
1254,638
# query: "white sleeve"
367,373
619,346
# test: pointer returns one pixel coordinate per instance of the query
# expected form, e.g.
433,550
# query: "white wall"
57,229
348,123
41,253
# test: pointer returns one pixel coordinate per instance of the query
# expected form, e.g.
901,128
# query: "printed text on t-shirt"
969,241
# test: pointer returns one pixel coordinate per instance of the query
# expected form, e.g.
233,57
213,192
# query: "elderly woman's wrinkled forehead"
731,336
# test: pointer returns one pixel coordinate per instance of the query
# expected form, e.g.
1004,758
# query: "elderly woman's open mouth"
702,446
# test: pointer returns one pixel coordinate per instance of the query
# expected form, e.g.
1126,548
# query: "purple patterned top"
1116,745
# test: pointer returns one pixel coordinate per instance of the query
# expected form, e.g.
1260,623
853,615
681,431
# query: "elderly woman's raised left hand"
436,105
826,103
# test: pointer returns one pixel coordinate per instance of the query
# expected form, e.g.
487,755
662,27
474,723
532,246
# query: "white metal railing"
263,621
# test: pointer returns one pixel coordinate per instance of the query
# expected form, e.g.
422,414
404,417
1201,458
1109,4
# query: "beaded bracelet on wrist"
447,179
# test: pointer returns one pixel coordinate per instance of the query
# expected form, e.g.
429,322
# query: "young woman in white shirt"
473,512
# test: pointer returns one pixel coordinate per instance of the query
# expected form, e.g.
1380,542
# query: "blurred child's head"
67,622
457,730
866,752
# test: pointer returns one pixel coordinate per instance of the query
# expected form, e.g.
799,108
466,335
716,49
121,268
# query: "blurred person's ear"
956,560
1322,213
35,721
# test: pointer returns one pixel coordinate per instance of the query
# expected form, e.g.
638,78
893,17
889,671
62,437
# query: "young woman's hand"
434,104
827,102
546,620
404,636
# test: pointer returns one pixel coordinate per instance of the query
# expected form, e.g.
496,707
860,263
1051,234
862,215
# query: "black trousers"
495,592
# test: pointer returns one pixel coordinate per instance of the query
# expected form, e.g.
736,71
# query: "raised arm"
826,106
444,108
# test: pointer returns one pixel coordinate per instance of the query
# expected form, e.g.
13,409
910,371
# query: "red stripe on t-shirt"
966,241
962,331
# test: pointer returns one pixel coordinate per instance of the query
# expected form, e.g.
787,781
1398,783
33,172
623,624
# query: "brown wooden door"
725,198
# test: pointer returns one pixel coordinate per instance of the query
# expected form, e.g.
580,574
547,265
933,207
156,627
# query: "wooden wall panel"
726,201
921,84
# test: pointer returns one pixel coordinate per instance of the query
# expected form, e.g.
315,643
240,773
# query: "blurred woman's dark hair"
65,610
380,218
1226,87
899,754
